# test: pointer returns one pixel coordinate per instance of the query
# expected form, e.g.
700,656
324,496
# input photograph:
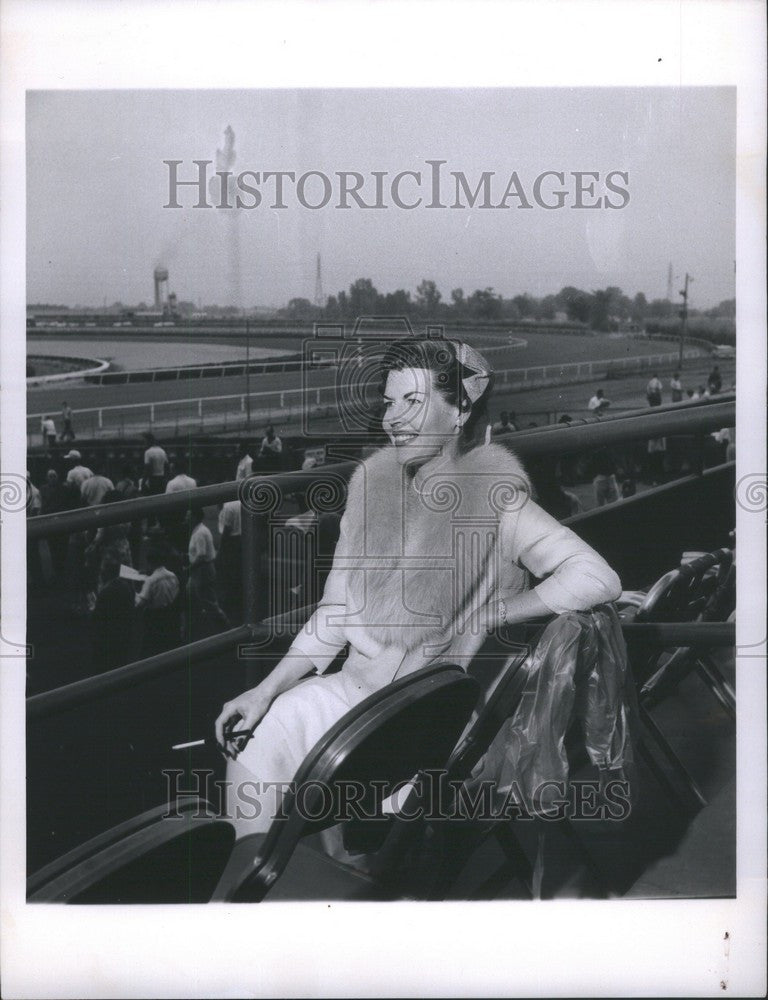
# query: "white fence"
223,413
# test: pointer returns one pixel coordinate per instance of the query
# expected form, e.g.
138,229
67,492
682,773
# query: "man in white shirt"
653,391
48,430
677,388
155,465
205,614
181,481
78,473
271,449
598,404
245,462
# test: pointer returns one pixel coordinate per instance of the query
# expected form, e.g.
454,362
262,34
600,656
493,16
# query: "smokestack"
161,278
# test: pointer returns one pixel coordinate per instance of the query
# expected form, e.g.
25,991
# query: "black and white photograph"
382,526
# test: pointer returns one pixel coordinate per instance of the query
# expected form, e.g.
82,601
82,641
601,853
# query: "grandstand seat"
151,858
406,727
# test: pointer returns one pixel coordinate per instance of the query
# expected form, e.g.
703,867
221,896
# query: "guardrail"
232,412
98,366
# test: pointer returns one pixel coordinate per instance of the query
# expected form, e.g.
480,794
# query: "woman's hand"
243,712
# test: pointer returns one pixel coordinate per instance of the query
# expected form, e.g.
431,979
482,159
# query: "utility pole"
684,315
248,375
319,297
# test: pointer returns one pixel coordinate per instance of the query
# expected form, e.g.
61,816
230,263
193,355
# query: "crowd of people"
147,585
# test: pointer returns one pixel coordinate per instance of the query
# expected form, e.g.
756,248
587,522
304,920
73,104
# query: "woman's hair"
439,357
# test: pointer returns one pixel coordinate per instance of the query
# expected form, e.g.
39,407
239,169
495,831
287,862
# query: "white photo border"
671,948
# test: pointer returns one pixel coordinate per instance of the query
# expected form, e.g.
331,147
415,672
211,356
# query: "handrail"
668,634
91,688
597,433
124,511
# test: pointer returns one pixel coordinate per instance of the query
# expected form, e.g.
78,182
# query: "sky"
97,186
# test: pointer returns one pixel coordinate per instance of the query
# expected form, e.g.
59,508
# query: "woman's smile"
417,418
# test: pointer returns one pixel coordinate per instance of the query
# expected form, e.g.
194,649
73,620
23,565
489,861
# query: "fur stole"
419,547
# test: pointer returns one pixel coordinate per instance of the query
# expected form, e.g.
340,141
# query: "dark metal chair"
702,590
174,853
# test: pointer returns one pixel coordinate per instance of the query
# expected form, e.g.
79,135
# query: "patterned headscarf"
476,382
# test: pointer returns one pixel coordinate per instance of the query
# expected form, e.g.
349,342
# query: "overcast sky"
97,184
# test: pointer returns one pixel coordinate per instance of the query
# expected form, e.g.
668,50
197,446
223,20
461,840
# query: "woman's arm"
245,711
574,577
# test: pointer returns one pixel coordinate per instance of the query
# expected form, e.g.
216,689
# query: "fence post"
151,414
101,421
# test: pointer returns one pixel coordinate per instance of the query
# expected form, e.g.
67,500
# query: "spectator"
54,495
271,449
715,381
48,430
155,466
181,481
94,489
604,484
726,437
67,432
690,394
701,393
78,473
628,487
114,618
677,388
598,404
653,390
204,611
245,462
566,418
230,557
506,423
126,484
158,599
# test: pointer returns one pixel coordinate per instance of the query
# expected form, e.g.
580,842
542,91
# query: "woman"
435,549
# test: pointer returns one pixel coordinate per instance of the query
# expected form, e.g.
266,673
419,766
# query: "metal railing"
233,411
260,494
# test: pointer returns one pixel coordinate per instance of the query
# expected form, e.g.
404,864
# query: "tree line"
601,310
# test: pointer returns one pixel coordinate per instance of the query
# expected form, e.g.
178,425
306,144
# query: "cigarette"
201,743
186,746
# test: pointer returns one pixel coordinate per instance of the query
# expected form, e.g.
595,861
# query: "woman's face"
417,418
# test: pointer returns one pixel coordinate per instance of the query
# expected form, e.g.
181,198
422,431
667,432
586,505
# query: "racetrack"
541,349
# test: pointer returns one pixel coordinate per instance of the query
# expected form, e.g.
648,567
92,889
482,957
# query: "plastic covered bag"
579,671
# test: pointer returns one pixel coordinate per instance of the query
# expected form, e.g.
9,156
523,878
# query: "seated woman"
437,547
